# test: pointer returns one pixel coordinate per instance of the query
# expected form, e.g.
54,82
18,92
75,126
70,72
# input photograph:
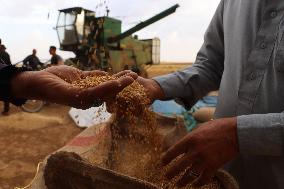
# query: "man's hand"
203,151
153,89
54,85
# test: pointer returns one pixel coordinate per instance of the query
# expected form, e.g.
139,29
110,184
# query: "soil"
26,139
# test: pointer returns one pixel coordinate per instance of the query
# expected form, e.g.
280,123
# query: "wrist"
232,123
157,91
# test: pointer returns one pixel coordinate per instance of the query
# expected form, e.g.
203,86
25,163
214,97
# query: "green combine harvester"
99,43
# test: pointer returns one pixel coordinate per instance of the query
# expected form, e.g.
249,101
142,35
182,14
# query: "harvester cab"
71,27
99,43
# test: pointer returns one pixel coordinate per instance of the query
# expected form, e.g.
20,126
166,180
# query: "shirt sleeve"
6,74
205,75
261,135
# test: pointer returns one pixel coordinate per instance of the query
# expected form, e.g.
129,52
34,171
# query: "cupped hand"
54,84
152,89
202,152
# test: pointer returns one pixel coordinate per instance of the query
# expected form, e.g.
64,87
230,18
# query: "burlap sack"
88,142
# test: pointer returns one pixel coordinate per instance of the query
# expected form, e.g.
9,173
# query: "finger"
110,88
204,178
84,98
191,174
133,75
186,179
178,149
122,73
127,73
179,166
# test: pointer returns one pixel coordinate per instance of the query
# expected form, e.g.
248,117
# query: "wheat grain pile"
131,101
136,147
130,104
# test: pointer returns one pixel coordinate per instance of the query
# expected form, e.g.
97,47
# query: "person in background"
32,61
5,59
4,56
55,59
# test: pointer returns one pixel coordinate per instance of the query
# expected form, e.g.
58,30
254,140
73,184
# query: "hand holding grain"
203,152
152,89
54,84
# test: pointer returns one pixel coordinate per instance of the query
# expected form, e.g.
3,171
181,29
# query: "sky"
29,24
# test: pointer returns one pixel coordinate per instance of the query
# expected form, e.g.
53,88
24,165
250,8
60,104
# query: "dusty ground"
26,139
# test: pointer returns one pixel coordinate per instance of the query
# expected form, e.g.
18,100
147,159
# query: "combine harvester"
98,42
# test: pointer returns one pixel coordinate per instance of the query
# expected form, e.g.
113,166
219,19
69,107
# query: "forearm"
21,85
24,85
205,75
261,134
189,85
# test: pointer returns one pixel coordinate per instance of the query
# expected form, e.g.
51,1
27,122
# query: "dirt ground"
26,139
